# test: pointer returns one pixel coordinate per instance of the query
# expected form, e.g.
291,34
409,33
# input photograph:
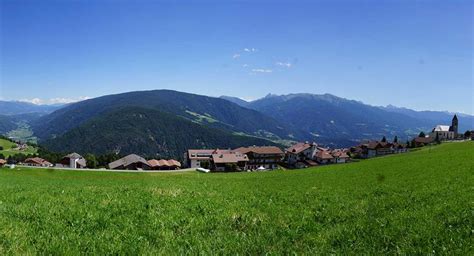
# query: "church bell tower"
454,125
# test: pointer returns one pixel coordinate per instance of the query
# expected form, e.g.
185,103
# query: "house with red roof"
301,154
216,159
323,156
164,164
37,161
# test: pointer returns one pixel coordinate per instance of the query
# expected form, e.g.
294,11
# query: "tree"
467,134
2,156
91,160
421,135
384,139
395,140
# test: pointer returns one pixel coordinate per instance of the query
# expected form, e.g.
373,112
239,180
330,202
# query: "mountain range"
337,121
164,123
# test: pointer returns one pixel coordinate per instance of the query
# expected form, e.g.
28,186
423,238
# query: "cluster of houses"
377,148
256,158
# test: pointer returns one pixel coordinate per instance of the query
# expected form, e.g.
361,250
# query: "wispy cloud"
250,50
38,101
236,56
262,70
284,64
245,65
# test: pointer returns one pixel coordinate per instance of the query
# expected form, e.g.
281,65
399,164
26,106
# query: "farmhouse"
73,160
198,158
423,141
228,160
38,162
130,162
267,157
399,148
340,156
2,162
164,164
217,159
301,154
372,149
323,156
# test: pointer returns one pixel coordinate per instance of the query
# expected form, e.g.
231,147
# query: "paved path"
107,170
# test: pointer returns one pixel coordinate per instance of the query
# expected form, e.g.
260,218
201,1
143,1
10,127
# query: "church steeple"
454,125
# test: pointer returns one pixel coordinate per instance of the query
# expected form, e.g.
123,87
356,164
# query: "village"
259,158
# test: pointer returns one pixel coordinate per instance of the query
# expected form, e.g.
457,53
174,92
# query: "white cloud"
262,70
245,65
236,56
250,50
284,64
52,101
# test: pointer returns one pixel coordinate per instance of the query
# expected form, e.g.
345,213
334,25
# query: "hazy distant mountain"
438,117
236,100
10,122
17,107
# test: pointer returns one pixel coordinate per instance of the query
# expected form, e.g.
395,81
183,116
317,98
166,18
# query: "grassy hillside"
416,203
9,148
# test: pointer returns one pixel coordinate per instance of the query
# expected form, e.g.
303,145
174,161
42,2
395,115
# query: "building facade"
267,157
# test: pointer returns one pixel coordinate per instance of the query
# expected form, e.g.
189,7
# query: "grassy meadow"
415,203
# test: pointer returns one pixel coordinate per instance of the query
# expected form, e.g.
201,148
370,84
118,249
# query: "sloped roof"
200,153
162,162
339,154
260,150
125,161
324,155
73,156
37,160
424,140
173,162
441,128
299,147
230,157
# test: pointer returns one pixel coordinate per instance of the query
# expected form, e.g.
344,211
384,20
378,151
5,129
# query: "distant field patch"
9,149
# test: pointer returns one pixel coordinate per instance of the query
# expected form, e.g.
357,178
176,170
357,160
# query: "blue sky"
416,54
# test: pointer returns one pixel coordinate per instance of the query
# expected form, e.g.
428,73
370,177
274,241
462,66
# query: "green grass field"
415,203
9,150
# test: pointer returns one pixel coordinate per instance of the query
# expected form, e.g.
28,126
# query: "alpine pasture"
415,203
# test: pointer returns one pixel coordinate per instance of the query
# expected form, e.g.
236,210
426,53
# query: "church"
446,132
